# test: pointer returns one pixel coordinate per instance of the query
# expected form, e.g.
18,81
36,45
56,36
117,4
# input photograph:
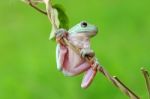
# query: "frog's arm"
61,51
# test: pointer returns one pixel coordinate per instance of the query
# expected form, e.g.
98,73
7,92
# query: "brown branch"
90,60
147,79
35,7
125,89
118,83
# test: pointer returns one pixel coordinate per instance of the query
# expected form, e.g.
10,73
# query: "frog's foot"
87,53
61,33
88,78
95,65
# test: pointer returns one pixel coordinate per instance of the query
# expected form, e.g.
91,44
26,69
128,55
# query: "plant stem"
147,79
38,9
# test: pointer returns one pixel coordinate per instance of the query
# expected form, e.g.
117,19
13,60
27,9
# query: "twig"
90,60
118,83
50,13
125,89
32,5
147,79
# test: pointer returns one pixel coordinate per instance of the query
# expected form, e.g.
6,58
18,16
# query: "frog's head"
84,27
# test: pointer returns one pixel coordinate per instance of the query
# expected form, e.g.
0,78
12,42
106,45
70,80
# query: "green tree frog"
68,61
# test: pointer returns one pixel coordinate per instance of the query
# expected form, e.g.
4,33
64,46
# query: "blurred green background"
27,57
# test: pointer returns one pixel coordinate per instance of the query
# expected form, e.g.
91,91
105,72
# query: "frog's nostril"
83,24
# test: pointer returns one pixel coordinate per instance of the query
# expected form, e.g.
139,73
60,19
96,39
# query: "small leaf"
61,19
57,22
62,16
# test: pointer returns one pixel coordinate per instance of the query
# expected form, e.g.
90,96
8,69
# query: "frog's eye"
83,24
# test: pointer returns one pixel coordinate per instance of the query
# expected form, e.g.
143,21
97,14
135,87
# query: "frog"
67,60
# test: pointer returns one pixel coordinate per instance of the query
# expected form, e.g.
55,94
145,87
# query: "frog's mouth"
90,34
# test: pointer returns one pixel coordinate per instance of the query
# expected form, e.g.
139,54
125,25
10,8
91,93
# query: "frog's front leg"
60,34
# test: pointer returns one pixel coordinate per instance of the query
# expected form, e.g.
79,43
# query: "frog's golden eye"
83,24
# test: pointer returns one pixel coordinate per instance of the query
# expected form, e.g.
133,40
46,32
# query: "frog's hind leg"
76,70
61,51
88,78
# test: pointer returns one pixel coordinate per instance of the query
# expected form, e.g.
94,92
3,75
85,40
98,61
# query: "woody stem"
147,79
36,8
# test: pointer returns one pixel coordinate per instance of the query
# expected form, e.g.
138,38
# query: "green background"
27,57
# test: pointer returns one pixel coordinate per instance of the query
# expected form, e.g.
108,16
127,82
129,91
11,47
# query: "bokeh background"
27,57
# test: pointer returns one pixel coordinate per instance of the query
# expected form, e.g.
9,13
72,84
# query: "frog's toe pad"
87,52
88,78
61,33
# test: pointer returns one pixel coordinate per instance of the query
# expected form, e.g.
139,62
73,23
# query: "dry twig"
147,79
32,4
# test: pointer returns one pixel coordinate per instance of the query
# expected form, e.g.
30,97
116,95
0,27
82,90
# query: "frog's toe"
87,52
61,33
91,53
